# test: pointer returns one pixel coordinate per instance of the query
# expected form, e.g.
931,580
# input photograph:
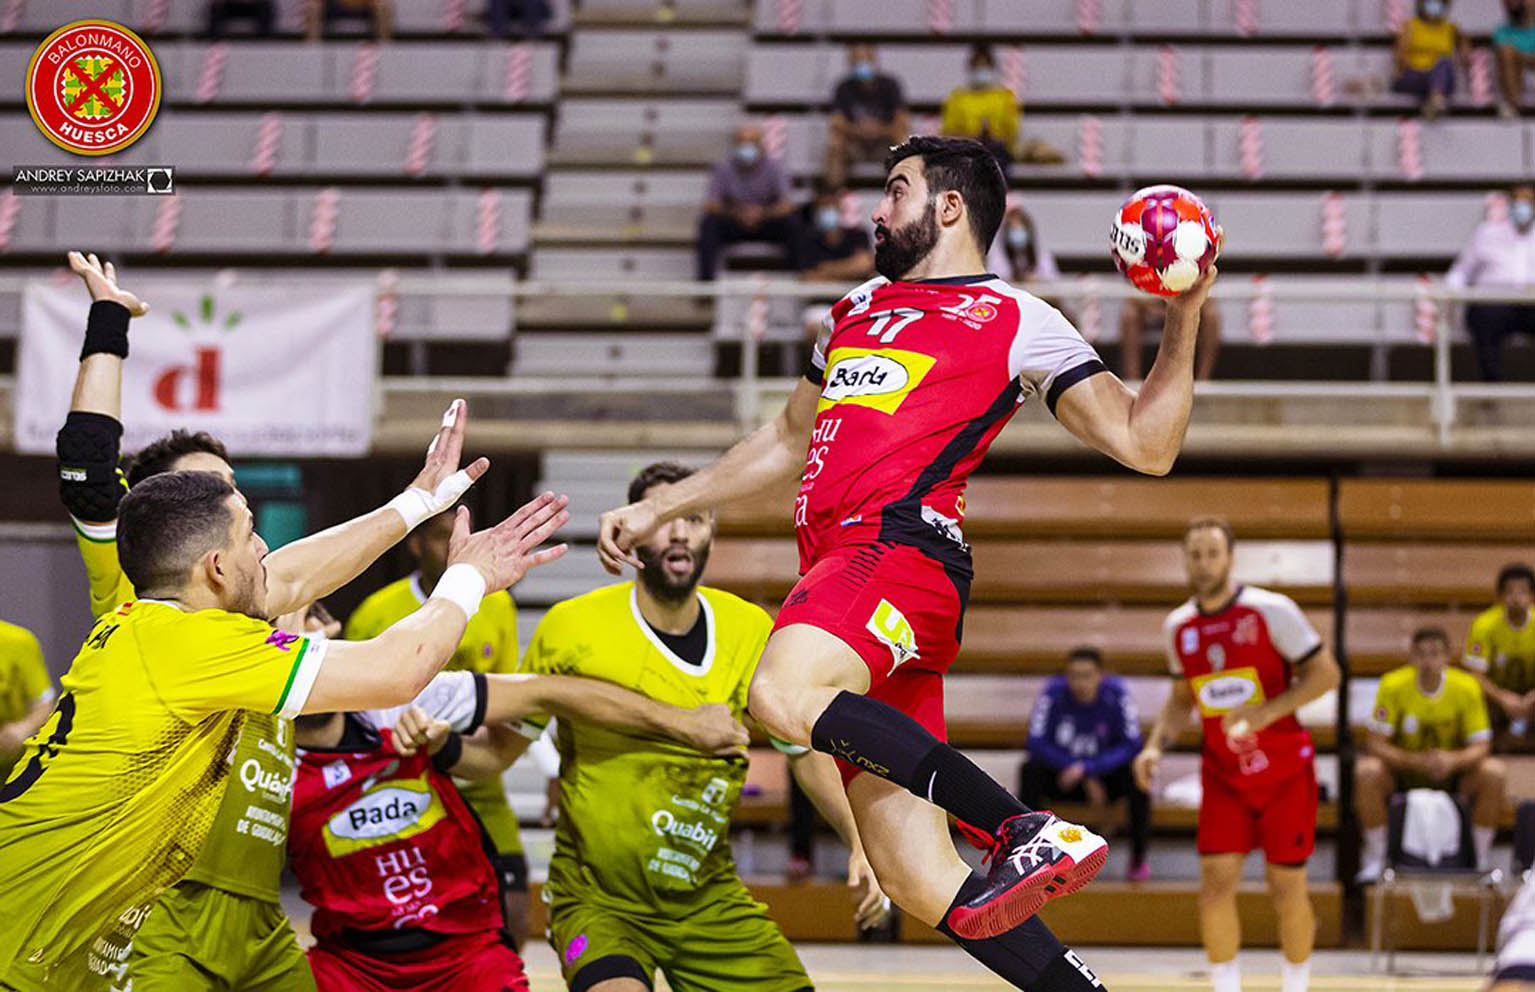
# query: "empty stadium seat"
1487,151
628,264
655,62
1425,224
589,355
663,132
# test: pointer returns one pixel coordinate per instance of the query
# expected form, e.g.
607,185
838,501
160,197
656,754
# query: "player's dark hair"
1425,634
1086,653
966,167
160,454
1213,523
655,474
166,523
1513,572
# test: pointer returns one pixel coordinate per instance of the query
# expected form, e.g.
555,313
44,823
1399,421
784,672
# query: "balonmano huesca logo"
93,87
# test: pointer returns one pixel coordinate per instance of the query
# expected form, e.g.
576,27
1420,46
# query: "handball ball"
1163,239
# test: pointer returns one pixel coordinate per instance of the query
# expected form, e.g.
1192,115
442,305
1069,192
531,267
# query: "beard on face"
1207,585
901,250
660,581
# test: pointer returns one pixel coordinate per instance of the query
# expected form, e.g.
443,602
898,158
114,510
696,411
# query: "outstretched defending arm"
1143,429
770,455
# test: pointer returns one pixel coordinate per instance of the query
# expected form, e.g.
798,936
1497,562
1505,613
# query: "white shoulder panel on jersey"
1177,618
1292,634
1046,350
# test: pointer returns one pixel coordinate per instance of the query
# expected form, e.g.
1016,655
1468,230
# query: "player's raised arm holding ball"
915,374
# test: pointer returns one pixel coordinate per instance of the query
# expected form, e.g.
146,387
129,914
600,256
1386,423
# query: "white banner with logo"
269,370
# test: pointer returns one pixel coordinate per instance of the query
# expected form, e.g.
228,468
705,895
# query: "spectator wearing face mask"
984,109
1019,255
748,200
833,250
1427,48
1514,43
868,115
1501,254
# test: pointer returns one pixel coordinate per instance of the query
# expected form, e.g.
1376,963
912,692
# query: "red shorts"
1279,817
899,610
475,962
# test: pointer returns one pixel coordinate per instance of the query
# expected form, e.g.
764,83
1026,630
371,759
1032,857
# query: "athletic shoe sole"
1028,897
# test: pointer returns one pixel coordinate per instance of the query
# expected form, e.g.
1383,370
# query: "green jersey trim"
96,533
306,668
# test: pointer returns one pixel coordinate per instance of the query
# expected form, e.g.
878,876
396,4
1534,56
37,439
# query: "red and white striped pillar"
167,224
268,142
1260,310
423,136
487,233
323,216
1090,145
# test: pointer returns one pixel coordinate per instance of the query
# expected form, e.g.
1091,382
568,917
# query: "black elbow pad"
90,482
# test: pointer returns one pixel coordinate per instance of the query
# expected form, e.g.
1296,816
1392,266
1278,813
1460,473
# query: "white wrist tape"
463,586
415,504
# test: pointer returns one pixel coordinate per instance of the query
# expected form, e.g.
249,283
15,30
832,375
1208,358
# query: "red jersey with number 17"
917,379
1243,654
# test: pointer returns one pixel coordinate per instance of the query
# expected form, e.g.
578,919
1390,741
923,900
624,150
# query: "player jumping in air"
916,373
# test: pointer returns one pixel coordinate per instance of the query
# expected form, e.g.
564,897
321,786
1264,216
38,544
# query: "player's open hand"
873,905
101,280
415,730
437,475
509,550
712,729
1144,768
618,531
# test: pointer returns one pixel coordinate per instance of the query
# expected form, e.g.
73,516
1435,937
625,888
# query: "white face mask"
828,218
747,154
1434,9
983,78
1522,212
1018,237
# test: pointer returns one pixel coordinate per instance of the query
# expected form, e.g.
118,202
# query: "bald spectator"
868,115
1501,255
748,200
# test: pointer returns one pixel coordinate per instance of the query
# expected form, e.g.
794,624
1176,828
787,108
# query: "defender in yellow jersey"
1500,650
489,646
26,691
642,879
1428,730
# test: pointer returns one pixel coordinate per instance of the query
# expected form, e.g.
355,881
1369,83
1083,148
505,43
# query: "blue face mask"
747,154
1522,212
1018,238
1434,9
983,78
828,218
863,71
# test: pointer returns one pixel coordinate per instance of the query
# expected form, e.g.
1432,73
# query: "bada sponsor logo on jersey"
383,814
1221,692
879,378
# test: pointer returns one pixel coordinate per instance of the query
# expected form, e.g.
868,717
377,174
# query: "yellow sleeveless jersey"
1502,652
1451,718
643,822
249,837
115,795
1428,42
489,645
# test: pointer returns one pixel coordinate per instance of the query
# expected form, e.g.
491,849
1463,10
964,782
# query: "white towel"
1431,826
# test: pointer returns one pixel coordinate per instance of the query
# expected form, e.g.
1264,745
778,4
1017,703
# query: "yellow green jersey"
1452,718
24,681
250,834
489,645
643,822
116,794
1502,652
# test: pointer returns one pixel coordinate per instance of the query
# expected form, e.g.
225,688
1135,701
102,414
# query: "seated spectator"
1139,315
1501,253
1429,730
261,13
322,15
1083,734
832,250
868,115
1514,44
983,109
1427,48
1019,255
530,16
748,200
1500,650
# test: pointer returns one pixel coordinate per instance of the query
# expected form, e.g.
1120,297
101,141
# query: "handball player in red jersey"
915,374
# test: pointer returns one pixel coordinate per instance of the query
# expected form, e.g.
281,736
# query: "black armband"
106,330
452,750
90,482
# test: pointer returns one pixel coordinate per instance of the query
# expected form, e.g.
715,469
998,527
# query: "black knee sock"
1029,955
881,740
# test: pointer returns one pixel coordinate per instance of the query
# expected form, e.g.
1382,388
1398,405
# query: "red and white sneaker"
1037,857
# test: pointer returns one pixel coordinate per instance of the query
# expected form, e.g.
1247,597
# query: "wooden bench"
1436,509
1010,506
1428,574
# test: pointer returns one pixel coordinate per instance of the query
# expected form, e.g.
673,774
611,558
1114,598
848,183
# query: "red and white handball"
1163,239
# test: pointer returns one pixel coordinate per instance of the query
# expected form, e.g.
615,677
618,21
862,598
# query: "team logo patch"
877,378
1216,656
1071,835
93,87
890,626
1221,692
575,949
1190,640
383,814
